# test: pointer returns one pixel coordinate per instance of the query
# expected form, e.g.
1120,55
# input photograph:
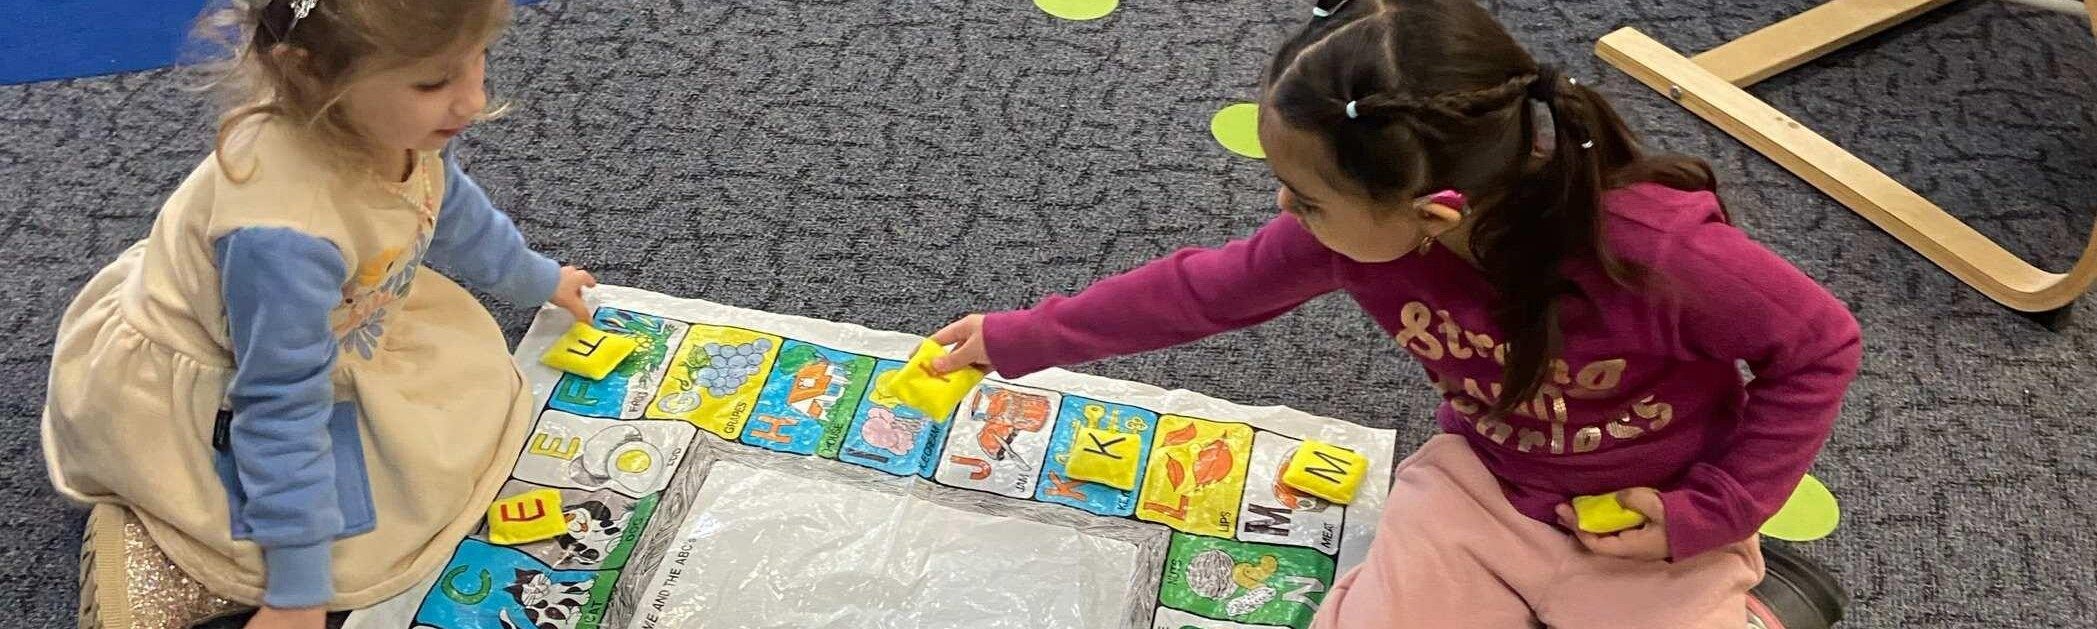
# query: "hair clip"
299,10
1323,12
1588,144
1351,112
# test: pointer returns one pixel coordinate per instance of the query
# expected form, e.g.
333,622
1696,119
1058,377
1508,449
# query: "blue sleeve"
279,286
478,245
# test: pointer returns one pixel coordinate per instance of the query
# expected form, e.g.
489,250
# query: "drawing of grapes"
718,370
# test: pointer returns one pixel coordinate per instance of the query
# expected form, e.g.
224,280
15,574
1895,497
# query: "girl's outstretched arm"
481,247
1188,295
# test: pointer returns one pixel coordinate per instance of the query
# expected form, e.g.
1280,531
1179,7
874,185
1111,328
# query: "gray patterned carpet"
896,163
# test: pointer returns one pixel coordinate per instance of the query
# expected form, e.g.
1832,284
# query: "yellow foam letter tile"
525,518
1105,457
1603,514
914,385
1326,471
588,352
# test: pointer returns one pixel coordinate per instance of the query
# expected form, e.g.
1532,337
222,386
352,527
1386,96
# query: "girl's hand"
568,294
967,337
274,618
1647,542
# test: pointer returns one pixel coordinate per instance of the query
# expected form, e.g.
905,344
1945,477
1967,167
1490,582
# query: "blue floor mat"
57,39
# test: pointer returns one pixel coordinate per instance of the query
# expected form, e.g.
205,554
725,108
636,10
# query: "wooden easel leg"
1804,37
1944,239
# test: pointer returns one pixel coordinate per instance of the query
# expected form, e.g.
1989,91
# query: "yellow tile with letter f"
588,352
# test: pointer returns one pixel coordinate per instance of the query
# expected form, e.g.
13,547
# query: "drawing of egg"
634,461
635,465
620,456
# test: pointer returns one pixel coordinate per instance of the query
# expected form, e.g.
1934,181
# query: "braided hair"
1415,96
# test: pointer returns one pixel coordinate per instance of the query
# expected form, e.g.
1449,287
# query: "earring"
1427,240
1426,216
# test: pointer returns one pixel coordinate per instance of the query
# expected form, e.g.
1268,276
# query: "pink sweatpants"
1452,552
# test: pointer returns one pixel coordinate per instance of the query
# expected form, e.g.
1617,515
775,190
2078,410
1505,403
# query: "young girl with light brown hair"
270,400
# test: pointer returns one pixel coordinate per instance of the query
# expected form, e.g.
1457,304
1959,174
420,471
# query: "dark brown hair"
1442,100
339,42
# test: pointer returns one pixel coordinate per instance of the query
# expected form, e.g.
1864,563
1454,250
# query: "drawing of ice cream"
886,431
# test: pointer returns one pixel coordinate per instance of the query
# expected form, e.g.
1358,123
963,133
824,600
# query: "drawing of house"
817,386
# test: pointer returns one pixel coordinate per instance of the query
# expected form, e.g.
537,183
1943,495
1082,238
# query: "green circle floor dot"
1810,514
1078,9
1237,128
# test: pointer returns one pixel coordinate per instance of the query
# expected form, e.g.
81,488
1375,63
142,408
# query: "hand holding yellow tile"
1604,514
915,386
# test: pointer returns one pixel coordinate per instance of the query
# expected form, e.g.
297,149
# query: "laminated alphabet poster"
737,470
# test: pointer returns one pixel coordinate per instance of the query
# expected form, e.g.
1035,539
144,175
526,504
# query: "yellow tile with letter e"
1326,471
1105,457
527,517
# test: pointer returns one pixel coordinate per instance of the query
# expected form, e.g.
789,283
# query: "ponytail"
1548,216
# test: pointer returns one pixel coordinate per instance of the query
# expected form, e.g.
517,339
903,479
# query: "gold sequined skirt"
127,583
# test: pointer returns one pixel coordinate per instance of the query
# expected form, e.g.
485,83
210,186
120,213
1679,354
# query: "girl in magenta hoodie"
1582,306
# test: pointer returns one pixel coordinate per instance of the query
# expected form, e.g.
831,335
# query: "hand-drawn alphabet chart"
736,471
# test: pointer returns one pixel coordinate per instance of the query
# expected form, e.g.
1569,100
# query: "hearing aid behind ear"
1451,198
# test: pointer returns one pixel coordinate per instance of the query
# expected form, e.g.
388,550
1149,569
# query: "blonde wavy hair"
300,72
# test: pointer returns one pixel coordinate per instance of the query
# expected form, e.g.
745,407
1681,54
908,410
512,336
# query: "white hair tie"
1351,112
299,10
